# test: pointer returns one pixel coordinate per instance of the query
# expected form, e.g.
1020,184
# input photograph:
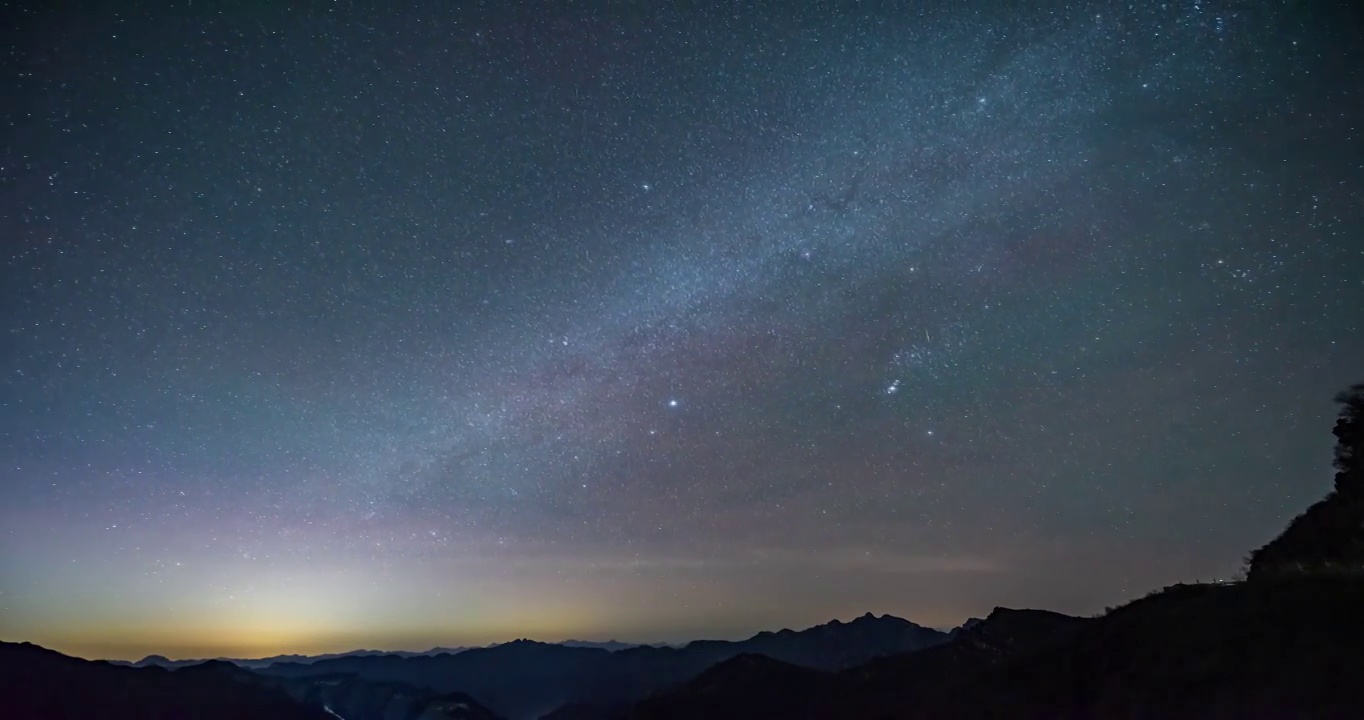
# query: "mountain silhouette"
753,686
255,663
611,645
42,683
352,698
528,679
1237,650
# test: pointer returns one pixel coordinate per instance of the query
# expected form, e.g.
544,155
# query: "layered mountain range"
521,679
1292,647
528,679
1267,650
43,684
255,663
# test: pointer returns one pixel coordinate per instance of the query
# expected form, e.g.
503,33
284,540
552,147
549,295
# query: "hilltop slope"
1283,649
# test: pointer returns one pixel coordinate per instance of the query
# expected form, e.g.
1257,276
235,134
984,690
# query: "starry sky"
330,324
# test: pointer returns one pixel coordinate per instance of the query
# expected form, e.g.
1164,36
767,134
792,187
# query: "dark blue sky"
340,325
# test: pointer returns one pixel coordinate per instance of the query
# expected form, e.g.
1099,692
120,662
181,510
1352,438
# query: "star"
418,333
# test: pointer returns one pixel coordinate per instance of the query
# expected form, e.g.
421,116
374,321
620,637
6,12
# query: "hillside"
42,683
1286,649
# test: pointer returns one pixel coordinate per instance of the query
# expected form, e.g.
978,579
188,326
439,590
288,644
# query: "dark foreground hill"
41,683
37,683
527,679
1253,650
352,698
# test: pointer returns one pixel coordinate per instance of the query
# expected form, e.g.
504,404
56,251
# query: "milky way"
333,327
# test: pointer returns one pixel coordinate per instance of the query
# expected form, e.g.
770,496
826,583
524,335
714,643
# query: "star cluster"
332,326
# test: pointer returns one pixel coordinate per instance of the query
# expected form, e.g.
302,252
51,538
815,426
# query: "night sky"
337,326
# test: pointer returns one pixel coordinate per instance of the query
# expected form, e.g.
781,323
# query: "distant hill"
835,645
527,679
609,645
42,683
257,663
1250,650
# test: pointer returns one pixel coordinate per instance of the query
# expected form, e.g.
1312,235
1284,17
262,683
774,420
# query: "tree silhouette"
1329,536
1349,432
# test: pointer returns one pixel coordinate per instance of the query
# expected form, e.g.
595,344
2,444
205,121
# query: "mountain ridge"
528,679
49,684
256,663
43,683
1226,650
